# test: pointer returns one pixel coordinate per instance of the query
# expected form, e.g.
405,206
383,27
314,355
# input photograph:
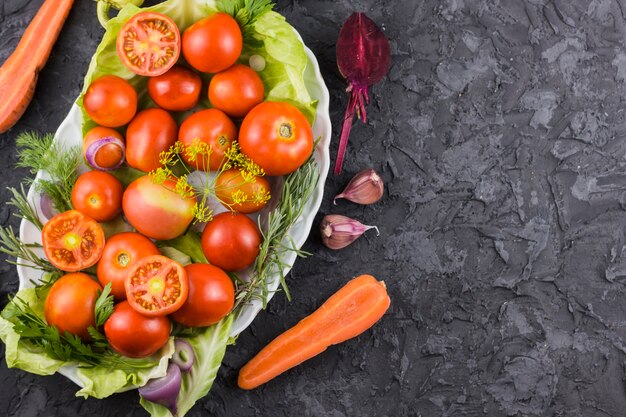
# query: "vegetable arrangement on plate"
187,155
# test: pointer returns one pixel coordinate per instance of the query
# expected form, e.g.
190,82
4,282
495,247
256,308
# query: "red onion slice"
164,390
183,355
92,151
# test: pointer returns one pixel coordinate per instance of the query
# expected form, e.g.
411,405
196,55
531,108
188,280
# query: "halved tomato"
72,241
156,286
149,43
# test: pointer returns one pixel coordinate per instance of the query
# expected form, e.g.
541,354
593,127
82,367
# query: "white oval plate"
70,134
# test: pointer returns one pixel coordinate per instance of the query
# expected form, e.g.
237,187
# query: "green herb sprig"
245,12
296,191
35,332
41,153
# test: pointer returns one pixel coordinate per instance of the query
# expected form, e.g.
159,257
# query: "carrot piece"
18,75
346,314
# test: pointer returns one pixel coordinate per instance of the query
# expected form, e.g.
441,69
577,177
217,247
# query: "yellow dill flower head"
261,196
238,197
202,213
183,188
198,149
160,175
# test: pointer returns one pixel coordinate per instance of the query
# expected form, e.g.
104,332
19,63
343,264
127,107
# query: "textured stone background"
500,134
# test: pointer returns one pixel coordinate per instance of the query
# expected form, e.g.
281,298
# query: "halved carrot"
346,314
18,75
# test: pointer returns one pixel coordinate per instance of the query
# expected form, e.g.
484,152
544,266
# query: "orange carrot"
18,75
346,314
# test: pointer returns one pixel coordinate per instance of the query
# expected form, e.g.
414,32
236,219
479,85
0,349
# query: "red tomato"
151,132
210,126
236,90
98,195
277,136
121,253
110,101
155,210
149,43
176,90
211,296
70,304
156,286
135,335
72,241
213,43
231,241
108,156
231,184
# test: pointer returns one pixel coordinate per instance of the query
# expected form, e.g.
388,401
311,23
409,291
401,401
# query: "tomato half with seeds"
242,195
210,128
149,43
72,241
277,136
156,286
121,252
98,194
70,304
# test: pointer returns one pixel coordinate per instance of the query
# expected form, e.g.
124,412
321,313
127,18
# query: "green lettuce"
209,347
98,381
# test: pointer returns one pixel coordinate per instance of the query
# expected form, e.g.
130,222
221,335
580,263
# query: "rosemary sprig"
13,246
41,153
25,210
296,191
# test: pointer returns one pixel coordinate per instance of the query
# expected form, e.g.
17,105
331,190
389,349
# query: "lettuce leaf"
98,381
209,348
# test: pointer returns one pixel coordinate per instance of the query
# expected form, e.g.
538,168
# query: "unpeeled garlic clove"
339,231
366,187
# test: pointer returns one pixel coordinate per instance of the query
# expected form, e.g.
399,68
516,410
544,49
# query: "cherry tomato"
210,126
155,210
108,156
231,241
277,136
110,101
156,286
151,132
98,195
213,43
211,296
134,335
72,241
70,304
231,188
121,252
149,43
176,90
236,90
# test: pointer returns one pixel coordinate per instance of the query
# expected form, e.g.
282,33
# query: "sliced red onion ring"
47,206
164,390
183,355
92,151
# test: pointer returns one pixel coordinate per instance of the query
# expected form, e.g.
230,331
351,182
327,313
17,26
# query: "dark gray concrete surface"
500,132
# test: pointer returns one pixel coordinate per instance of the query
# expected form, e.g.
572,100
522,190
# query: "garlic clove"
366,187
339,231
